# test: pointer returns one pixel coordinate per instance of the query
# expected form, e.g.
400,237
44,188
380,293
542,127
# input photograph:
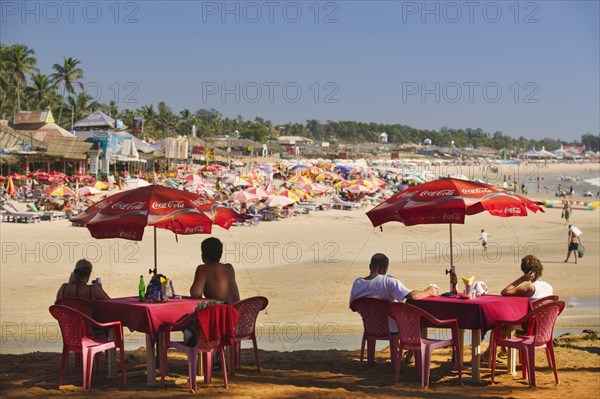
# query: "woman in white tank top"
530,284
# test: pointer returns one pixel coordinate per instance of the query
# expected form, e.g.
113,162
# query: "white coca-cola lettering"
478,190
512,210
407,195
168,204
451,216
440,193
201,201
129,206
195,229
128,234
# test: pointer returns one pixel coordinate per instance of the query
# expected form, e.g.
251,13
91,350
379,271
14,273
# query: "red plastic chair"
375,322
224,318
82,305
408,318
542,301
245,328
540,327
74,327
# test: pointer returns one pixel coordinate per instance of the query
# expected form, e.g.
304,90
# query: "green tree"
68,74
21,64
39,93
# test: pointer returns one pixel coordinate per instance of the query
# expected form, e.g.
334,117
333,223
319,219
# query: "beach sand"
305,266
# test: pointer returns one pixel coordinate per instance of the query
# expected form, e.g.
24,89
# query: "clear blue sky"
526,68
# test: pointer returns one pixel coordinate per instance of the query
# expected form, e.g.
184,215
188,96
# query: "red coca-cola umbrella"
126,214
448,201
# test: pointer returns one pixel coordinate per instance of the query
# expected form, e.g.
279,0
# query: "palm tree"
82,105
21,63
67,74
40,93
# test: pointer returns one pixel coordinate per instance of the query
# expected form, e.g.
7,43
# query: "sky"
529,68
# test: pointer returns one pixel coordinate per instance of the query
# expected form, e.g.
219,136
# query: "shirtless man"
213,279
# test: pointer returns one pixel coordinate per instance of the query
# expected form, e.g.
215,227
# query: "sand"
305,266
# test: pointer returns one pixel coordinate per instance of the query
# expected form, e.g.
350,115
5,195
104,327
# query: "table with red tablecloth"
144,317
478,315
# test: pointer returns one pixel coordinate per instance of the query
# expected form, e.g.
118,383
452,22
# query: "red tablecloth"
141,316
478,313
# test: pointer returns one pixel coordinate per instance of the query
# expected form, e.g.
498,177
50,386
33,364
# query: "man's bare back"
215,281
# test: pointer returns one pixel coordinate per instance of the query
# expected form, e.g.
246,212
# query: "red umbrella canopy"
127,213
448,201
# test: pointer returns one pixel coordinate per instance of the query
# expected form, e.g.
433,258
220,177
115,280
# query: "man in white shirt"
484,239
380,285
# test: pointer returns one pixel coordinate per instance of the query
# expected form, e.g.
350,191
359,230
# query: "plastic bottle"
171,289
142,289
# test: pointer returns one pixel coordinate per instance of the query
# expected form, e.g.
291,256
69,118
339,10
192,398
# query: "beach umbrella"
126,214
61,191
237,181
99,185
291,194
88,191
258,192
448,201
278,201
243,197
342,184
11,190
359,189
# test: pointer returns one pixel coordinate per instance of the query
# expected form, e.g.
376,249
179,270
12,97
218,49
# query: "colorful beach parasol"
448,201
61,191
126,214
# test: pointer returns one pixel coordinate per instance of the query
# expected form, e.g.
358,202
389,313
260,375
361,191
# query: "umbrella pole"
155,261
452,271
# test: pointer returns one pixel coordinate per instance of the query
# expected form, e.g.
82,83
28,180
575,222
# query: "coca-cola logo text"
478,190
512,210
193,230
440,193
129,206
132,235
168,205
451,217
406,195
201,201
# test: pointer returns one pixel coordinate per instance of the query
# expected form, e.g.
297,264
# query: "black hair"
212,250
379,262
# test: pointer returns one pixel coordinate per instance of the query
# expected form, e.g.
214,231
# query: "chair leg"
255,346
393,350
207,362
426,365
458,363
230,354
530,353
370,351
192,369
550,352
238,353
122,358
362,349
85,365
224,367
63,365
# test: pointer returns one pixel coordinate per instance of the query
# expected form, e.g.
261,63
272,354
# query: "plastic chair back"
82,305
374,316
248,309
73,326
408,318
542,301
545,319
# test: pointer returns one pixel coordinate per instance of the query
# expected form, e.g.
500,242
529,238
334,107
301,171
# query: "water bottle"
171,289
142,289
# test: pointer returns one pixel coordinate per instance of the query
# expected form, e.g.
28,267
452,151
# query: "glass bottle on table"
141,289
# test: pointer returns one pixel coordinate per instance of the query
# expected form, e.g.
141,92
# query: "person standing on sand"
213,279
484,239
567,211
573,241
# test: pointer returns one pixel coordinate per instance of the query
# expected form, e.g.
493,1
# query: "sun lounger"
9,215
46,215
338,203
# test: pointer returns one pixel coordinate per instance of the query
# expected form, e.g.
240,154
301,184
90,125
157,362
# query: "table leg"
461,339
475,354
150,362
112,357
511,361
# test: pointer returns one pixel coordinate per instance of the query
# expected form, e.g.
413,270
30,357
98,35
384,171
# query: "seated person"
213,279
380,285
78,286
530,284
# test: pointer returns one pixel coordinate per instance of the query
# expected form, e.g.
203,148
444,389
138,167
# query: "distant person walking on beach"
484,239
567,211
574,241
